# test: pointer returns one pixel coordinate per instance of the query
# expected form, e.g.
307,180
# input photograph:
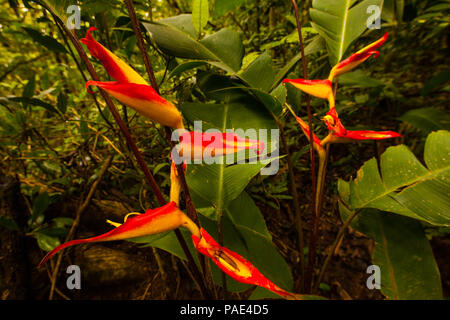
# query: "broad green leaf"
403,253
340,22
259,74
185,66
200,14
222,49
227,46
219,184
182,22
240,109
405,186
427,119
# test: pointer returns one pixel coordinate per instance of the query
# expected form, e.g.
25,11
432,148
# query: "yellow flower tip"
114,224
328,120
130,214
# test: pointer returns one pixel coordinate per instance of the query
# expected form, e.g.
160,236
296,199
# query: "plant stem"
312,240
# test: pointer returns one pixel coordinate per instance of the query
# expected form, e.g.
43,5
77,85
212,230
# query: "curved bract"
116,68
153,221
357,58
235,265
131,89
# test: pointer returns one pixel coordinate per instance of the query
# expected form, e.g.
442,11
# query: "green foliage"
402,185
222,49
427,119
226,71
340,23
200,14
403,253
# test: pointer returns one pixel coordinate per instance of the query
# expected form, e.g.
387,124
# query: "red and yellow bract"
153,221
196,145
130,88
235,265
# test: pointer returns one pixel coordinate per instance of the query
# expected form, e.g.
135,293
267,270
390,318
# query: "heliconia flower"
130,88
340,134
317,88
235,265
196,145
115,67
357,58
144,100
305,128
153,221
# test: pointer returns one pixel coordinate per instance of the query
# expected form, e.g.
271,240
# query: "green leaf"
40,204
185,66
218,184
46,242
182,22
259,74
427,119
200,14
403,253
222,49
47,41
35,102
405,186
340,23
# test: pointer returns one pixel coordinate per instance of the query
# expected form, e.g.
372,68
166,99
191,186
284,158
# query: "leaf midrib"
344,25
427,176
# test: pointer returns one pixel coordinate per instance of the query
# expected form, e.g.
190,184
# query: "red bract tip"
235,265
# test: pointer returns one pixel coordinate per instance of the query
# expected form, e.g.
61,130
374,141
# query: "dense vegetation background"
54,138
